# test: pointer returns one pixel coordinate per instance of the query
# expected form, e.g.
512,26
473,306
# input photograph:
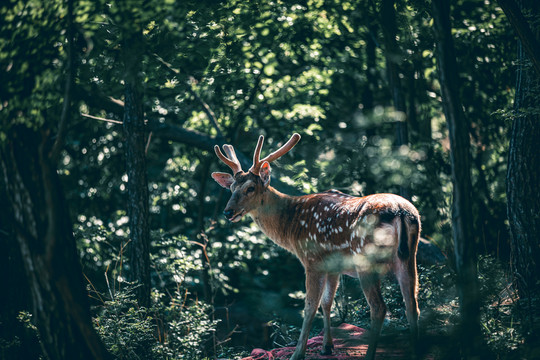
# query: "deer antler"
232,160
257,162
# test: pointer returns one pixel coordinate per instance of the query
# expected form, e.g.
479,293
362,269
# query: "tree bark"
523,177
462,225
44,235
18,341
393,59
137,187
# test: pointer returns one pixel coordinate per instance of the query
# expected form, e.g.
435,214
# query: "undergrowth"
439,306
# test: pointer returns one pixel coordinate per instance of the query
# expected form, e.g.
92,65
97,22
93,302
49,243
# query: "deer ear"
264,173
223,179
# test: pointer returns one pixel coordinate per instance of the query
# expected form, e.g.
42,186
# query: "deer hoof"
327,350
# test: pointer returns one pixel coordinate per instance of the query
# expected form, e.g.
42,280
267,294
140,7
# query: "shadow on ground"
350,343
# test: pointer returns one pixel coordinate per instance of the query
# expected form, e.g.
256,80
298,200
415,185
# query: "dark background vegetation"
112,243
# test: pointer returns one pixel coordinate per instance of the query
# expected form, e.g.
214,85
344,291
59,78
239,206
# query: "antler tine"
295,138
229,149
233,162
257,163
257,155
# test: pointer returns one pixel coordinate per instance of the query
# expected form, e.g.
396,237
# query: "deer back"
315,226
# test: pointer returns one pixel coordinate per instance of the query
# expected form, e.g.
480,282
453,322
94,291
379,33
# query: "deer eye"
250,190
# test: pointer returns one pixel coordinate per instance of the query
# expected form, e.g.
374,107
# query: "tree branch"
207,110
102,119
192,138
172,132
524,32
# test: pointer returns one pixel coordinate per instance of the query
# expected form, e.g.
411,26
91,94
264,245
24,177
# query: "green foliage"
272,68
283,334
126,329
26,319
501,316
439,306
189,329
32,57
173,331
177,326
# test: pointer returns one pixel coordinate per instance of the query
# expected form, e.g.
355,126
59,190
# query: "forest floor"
350,343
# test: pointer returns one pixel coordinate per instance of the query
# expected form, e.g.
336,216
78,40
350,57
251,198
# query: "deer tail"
403,247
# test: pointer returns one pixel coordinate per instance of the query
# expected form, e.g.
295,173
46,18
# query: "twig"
122,247
102,119
108,285
116,101
148,143
227,337
93,288
203,246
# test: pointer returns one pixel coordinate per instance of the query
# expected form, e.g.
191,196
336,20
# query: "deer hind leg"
314,288
332,281
371,286
408,282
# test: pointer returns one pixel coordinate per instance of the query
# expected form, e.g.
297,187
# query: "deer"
331,233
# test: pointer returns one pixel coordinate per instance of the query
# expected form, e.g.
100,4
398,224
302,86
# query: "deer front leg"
331,284
314,287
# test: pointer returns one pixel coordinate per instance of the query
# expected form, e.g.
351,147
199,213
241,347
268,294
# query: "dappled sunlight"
109,117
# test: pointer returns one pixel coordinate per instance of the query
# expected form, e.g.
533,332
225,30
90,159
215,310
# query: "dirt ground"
350,343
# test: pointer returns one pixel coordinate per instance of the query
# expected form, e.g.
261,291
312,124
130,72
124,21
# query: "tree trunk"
393,59
44,234
19,342
462,225
371,63
523,178
135,140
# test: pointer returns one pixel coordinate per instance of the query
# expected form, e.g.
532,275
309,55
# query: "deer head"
249,187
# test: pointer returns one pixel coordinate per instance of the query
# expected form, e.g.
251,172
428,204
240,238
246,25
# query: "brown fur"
332,233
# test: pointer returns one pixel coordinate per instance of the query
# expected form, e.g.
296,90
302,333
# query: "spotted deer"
331,233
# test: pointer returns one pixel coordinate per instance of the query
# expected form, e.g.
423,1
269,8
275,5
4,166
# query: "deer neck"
274,217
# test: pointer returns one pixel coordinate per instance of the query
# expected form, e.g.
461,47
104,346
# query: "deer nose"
228,213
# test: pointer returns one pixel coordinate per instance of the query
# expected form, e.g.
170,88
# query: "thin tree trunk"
462,224
43,231
368,101
522,180
371,57
393,58
135,140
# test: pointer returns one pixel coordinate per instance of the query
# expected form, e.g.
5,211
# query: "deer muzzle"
232,215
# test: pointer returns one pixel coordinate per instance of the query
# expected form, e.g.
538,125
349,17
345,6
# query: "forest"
113,241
